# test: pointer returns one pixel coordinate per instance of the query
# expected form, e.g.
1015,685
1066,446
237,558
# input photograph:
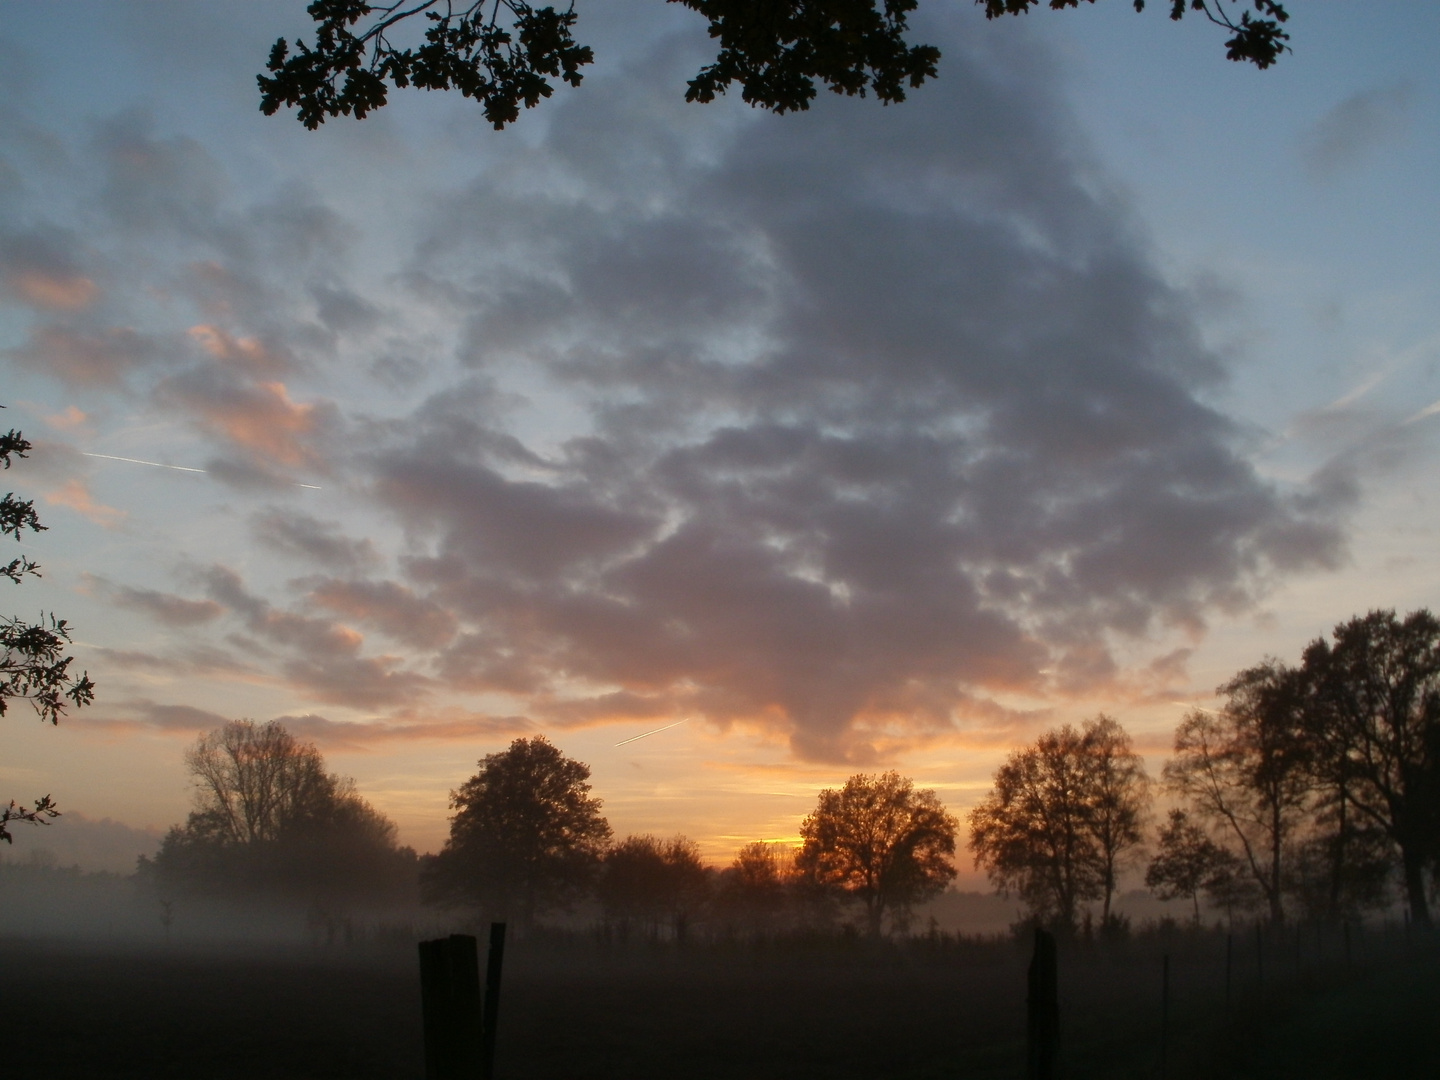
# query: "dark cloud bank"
883,414
892,412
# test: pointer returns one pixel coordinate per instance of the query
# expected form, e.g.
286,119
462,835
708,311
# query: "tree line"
1312,791
528,840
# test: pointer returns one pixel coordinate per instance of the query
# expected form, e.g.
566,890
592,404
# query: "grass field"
574,1009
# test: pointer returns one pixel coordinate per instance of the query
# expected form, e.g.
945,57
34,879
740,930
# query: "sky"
864,438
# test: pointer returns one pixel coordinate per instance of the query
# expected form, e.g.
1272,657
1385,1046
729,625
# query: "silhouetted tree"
762,870
1061,819
33,664
1334,872
1187,863
504,53
653,882
1247,770
1376,721
1029,833
526,835
878,841
1345,866
1115,793
270,821
255,782
757,885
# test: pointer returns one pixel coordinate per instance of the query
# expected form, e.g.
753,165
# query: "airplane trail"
162,465
138,461
652,731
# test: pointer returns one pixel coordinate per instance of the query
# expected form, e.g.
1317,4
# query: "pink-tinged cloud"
53,292
95,358
166,608
246,353
405,726
74,495
42,269
453,725
391,608
318,658
259,418
67,419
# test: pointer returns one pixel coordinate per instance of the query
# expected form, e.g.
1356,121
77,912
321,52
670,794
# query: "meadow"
576,1007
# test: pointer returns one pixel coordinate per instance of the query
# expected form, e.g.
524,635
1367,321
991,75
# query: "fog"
90,844
244,990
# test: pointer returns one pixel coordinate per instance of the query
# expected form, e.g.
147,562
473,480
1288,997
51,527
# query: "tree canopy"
526,835
1061,818
270,821
508,53
651,882
879,841
1319,784
33,663
1245,770
1187,863
1374,723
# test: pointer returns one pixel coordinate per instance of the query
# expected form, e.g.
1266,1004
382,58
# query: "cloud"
259,418
343,310
189,660
248,354
450,725
74,495
889,416
861,429
302,536
185,718
82,357
67,418
248,476
157,186
166,608
404,725
318,658
1355,128
42,269
389,607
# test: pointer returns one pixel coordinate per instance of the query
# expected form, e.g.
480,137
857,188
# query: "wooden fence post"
1229,953
1260,954
1164,1011
493,962
450,1004
1043,1010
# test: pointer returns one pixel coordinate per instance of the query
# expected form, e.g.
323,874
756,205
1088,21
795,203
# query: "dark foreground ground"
576,1010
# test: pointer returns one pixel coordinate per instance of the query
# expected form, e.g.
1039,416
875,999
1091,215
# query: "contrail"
653,731
177,468
138,461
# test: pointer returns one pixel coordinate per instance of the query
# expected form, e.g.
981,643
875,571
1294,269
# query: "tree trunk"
1277,908
1337,863
874,915
1415,888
